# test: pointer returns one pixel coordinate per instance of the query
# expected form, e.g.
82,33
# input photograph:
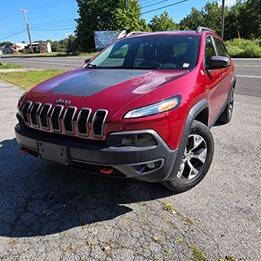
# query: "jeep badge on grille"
63,101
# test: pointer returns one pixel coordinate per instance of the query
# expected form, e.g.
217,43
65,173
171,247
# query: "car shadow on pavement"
40,198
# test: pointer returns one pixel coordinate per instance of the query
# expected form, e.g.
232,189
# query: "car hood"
109,89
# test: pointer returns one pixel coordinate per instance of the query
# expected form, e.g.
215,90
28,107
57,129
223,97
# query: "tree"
232,25
59,46
6,44
128,18
162,23
241,20
102,15
209,16
212,14
71,47
193,20
249,19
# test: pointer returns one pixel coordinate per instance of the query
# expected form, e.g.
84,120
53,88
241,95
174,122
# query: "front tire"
196,160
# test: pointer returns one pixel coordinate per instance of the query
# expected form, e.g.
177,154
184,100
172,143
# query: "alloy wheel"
194,157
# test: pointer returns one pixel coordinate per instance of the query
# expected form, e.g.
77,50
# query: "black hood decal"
93,81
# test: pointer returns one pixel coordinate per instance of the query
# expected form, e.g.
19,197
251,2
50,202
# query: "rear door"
213,80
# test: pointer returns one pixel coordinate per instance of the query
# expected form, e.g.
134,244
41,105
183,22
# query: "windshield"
151,52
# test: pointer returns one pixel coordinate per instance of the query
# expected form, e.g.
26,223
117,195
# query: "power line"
52,27
53,30
154,4
166,6
55,22
12,35
144,2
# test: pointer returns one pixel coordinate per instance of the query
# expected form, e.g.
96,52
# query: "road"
50,212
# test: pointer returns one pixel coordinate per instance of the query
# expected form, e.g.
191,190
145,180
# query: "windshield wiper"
92,65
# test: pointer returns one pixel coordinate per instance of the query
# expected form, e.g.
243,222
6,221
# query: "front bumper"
126,161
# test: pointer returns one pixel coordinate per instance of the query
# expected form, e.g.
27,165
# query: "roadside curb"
20,70
7,84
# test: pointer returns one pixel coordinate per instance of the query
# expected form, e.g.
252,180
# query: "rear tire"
196,160
226,115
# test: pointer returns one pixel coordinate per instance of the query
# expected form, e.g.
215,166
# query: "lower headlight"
156,108
135,140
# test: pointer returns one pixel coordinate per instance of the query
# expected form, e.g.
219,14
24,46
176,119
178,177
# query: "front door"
213,80
227,72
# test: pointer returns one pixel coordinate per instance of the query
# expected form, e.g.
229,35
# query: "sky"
54,19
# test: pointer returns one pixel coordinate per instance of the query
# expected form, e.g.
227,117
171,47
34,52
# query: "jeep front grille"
70,121
56,118
44,116
83,120
25,112
98,122
34,114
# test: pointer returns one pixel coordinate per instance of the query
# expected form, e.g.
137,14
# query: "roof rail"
135,33
201,29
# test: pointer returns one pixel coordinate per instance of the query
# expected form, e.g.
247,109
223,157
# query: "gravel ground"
50,212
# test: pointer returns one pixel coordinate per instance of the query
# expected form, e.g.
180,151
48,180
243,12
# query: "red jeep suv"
142,108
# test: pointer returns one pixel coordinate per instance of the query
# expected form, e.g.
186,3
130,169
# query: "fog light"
150,165
147,167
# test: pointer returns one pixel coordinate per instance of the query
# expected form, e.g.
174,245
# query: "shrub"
244,48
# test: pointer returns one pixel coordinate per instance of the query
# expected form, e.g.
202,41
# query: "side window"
221,50
209,51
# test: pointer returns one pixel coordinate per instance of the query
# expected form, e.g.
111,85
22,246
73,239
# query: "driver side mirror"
219,62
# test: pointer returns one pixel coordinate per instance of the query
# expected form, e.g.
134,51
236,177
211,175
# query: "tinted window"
209,51
151,52
221,51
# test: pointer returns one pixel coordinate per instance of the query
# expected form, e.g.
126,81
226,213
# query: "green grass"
10,66
242,48
197,254
56,54
86,54
168,207
28,79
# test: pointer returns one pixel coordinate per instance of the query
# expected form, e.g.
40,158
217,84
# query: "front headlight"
156,108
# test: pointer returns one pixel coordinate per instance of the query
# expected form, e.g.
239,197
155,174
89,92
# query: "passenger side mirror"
219,62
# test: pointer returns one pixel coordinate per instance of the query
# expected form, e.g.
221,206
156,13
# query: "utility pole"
28,29
223,19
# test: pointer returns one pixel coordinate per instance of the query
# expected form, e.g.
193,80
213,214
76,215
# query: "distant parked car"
143,109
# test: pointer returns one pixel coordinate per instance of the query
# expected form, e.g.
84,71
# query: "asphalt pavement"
48,212
248,70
